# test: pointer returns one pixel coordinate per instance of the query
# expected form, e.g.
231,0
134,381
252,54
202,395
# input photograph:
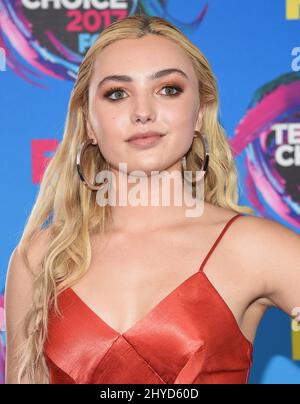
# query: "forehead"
142,56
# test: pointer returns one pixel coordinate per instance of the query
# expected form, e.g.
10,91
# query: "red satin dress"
189,337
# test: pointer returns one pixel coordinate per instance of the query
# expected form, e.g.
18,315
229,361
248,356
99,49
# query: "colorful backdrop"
254,50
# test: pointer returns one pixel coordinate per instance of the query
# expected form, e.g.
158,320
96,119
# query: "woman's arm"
276,249
18,299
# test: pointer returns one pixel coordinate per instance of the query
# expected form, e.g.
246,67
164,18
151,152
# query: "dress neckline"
155,309
168,297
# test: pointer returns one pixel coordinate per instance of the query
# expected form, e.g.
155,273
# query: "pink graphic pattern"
268,189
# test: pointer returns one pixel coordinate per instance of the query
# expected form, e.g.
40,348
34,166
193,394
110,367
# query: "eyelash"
112,90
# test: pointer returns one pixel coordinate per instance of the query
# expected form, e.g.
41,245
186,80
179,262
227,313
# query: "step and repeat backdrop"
254,50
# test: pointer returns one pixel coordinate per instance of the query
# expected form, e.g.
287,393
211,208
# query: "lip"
145,142
144,135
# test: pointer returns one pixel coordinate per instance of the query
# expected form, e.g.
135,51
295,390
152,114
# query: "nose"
142,118
143,110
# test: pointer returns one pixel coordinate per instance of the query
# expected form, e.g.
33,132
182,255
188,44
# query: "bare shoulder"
262,256
35,253
214,215
19,277
265,235
37,247
258,232
270,252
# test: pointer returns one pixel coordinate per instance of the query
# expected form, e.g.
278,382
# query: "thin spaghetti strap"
218,239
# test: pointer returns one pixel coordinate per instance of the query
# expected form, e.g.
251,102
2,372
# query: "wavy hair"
68,211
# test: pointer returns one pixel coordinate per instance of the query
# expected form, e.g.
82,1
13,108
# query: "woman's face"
169,104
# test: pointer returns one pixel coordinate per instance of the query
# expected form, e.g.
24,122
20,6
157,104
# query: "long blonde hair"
68,210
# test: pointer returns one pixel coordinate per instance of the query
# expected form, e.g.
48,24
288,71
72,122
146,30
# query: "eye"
115,90
112,91
177,88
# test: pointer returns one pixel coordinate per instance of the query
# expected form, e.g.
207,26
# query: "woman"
123,293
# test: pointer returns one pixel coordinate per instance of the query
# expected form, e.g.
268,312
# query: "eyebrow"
154,76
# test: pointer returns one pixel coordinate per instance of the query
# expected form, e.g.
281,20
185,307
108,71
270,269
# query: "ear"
90,131
200,117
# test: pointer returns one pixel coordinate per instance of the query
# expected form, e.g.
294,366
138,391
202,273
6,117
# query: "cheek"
178,112
109,131
103,122
181,127
108,116
180,123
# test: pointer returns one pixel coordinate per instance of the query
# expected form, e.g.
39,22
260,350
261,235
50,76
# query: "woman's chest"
127,278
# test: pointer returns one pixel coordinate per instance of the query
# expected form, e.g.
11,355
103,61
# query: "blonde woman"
124,293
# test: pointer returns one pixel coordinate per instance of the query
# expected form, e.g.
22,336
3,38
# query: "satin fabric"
190,337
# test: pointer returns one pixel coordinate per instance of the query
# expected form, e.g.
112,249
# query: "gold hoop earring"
204,141
80,152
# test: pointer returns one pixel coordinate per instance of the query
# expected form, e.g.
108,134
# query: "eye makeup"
116,89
